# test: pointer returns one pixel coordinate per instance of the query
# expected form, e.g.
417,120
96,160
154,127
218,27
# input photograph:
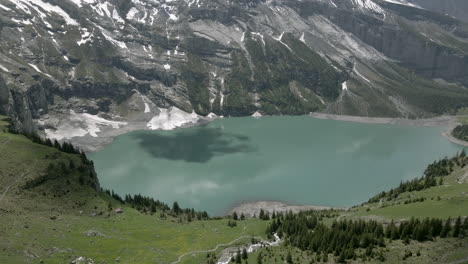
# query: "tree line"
343,238
461,132
433,176
146,204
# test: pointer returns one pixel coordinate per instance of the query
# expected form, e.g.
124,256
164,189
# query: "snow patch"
257,114
38,70
211,116
172,118
344,86
3,68
303,37
167,66
80,125
147,108
41,6
4,7
402,2
368,5
362,76
132,13
85,36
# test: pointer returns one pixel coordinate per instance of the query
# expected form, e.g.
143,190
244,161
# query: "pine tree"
342,258
262,214
238,257
176,208
259,258
244,254
289,259
234,216
445,229
457,227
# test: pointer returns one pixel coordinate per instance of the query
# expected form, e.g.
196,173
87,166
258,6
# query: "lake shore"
107,135
441,121
253,208
448,122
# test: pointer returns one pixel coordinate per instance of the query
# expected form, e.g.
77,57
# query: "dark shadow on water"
198,144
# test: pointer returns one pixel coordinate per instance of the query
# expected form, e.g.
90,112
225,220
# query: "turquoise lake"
298,160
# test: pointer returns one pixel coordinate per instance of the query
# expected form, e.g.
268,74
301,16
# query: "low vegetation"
461,132
52,210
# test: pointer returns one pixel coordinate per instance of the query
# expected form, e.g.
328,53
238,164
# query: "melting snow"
369,5
132,13
402,2
41,6
81,125
85,36
147,108
211,115
281,41
257,115
167,66
3,68
344,86
362,76
303,37
171,118
4,7
38,70
107,36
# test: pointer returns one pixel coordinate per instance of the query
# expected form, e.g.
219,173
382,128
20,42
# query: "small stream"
230,253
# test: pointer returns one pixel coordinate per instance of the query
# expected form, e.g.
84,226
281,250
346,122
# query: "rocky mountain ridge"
75,68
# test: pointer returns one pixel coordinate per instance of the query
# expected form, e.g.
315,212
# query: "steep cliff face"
126,61
455,8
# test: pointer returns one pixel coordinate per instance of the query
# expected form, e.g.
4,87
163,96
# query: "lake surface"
299,160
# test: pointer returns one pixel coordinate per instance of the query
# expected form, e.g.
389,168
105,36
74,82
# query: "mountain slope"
455,8
129,61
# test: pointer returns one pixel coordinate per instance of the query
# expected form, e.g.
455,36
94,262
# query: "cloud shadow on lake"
198,144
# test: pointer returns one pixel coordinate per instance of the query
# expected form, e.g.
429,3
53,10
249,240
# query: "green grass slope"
51,211
58,219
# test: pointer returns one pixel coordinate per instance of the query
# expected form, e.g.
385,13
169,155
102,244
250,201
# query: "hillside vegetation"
52,210
60,219
461,132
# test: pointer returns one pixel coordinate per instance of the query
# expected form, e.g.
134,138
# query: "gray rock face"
455,8
369,57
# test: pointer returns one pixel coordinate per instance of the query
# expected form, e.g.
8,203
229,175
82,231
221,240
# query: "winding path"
212,250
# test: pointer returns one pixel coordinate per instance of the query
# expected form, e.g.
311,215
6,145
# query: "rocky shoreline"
253,208
444,121
448,122
107,134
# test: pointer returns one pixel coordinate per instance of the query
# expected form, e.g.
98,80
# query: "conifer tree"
289,259
446,229
244,254
457,227
259,258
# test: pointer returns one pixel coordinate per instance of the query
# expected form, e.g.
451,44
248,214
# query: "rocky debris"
94,233
131,63
252,209
82,260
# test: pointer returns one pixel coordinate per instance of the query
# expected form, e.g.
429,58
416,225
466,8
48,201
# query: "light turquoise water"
299,160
